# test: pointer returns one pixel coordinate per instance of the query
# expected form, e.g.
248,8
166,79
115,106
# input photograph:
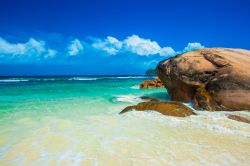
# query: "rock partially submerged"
156,83
149,98
239,118
212,78
171,108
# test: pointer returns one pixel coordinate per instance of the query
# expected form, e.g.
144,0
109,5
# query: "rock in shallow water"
156,83
148,98
171,108
213,78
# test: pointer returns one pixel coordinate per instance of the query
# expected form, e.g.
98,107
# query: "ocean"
75,120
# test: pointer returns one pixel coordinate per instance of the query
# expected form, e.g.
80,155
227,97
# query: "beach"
76,121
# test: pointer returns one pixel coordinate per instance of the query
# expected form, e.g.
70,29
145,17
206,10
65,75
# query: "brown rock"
149,98
239,118
156,83
212,78
172,108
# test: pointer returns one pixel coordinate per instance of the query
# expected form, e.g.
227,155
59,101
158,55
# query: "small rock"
156,83
149,98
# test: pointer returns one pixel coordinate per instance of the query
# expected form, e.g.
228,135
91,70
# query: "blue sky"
113,36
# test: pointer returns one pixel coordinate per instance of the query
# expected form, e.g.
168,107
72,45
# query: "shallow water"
75,121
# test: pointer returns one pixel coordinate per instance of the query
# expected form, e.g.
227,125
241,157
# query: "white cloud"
114,41
75,47
37,47
132,44
193,46
109,45
167,51
13,49
141,46
32,47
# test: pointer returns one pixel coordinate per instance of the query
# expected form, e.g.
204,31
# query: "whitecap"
135,87
83,79
13,80
47,79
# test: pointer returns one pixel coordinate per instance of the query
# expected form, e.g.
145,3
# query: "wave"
76,78
128,98
13,80
82,79
135,87
44,79
102,78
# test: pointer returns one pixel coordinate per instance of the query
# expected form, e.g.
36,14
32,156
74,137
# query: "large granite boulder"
156,83
212,78
171,108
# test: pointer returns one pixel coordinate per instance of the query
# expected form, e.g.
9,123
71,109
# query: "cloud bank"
132,44
110,45
131,50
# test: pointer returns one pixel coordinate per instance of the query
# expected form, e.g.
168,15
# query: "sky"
113,37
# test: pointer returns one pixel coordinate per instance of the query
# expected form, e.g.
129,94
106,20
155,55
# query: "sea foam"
128,98
135,87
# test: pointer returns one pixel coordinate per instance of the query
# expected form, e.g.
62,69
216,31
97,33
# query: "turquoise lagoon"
76,121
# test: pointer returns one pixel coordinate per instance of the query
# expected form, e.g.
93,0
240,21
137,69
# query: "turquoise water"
69,95
76,121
